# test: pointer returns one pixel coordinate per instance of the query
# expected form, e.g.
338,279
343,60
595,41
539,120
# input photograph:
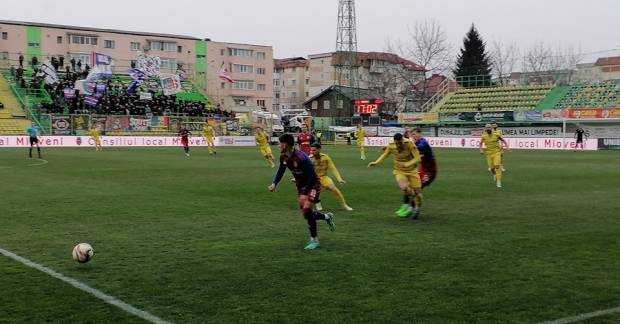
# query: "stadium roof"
291,62
349,92
101,30
606,61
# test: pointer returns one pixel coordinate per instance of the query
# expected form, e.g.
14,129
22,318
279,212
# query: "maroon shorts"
184,142
313,193
428,172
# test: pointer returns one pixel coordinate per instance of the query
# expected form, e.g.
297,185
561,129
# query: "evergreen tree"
472,66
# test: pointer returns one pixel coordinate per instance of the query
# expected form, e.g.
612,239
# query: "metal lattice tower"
345,57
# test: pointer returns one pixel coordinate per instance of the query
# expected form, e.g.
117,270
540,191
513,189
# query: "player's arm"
417,158
278,177
382,158
332,168
480,146
506,147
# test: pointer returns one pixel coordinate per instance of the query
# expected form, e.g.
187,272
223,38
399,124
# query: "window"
260,55
293,94
240,52
293,106
58,39
85,58
307,81
315,105
240,101
260,103
307,94
277,95
260,87
240,68
134,46
179,49
163,46
5,35
293,82
260,71
243,85
326,105
84,40
276,82
222,52
223,85
340,104
33,44
4,55
109,44
168,64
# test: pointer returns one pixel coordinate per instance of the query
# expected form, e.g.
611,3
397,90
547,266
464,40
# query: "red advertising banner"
592,113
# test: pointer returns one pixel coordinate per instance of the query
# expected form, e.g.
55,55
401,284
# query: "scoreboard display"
368,106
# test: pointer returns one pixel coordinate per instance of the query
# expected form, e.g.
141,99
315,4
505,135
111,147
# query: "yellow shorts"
265,150
412,177
326,182
97,140
209,140
494,159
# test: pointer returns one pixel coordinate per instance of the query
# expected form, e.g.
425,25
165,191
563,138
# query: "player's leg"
328,183
38,148
497,165
362,152
311,216
502,166
30,150
403,183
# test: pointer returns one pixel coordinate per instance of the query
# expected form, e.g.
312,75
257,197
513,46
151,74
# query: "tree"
504,58
543,63
473,61
427,45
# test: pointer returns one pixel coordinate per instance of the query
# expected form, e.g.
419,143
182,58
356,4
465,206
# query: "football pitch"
202,240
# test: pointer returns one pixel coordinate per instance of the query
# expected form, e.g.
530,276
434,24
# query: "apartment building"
290,83
30,39
250,66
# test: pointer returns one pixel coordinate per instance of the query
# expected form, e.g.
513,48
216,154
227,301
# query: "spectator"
61,61
72,64
21,60
34,61
79,65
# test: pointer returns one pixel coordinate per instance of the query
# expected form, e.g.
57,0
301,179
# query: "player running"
428,165
184,134
360,134
33,132
493,152
406,162
95,134
305,140
209,135
308,186
322,164
498,131
262,139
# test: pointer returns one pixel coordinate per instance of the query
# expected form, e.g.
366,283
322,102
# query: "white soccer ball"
83,252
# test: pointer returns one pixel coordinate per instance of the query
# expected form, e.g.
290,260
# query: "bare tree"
504,58
546,63
427,46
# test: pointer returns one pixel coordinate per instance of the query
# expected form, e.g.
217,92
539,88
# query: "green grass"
202,240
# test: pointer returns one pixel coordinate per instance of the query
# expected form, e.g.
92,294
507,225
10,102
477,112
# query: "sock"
39,151
498,174
417,201
186,149
30,152
406,198
339,195
312,228
319,216
363,152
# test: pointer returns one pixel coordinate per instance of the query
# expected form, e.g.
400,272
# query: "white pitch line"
105,297
42,160
582,317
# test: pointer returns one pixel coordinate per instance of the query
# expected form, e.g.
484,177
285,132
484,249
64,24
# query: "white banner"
532,143
124,141
520,132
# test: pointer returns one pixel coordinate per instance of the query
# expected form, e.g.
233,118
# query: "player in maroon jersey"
184,134
305,141
308,186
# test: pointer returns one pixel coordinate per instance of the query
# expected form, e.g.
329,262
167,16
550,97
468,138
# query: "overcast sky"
299,28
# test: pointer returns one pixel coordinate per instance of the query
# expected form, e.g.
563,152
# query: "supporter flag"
134,86
99,72
101,88
223,74
136,74
50,73
148,64
69,93
101,59
91,101
171,84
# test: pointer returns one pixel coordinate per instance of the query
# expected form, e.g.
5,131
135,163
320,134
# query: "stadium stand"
494,98
599,95
12,116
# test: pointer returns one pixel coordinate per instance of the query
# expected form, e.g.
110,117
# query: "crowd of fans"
114,100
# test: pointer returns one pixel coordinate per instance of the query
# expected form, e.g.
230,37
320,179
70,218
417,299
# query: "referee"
33,132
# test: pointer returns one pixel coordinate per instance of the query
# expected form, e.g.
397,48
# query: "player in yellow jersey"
498,131
493,151
360,134
262,140
95,134
406,162
322,164
209,134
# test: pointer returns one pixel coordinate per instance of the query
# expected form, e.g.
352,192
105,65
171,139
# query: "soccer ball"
83,252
